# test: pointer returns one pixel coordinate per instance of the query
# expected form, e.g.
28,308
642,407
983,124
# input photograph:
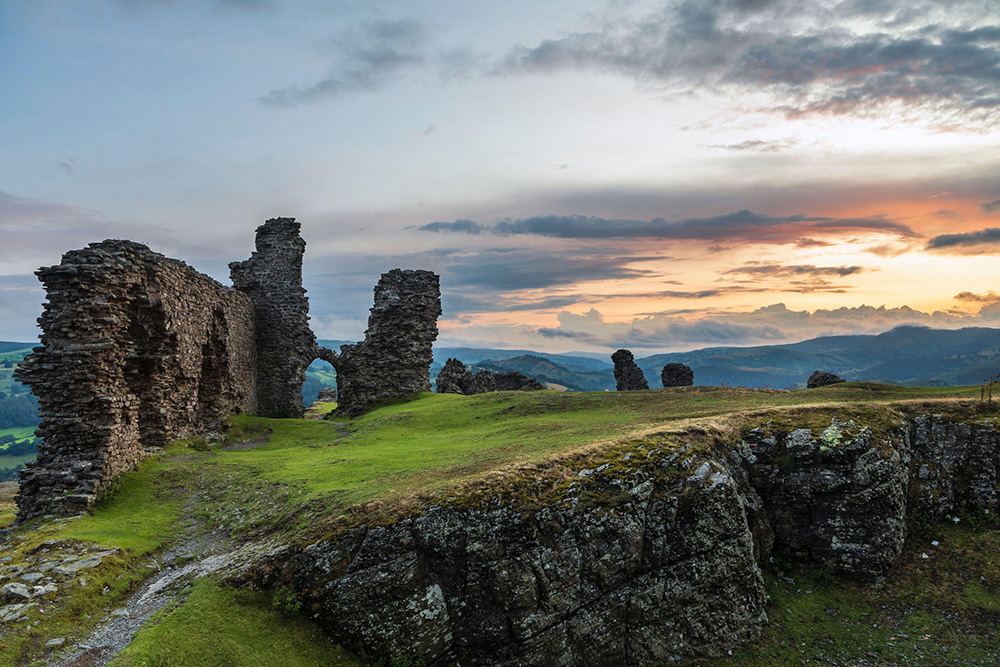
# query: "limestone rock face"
137,350
628,375
668,571
455,378
822,379
837,500
395,357
272,278
954,467
677,375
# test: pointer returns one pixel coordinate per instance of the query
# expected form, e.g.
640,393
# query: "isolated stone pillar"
272,278
628,375
395,357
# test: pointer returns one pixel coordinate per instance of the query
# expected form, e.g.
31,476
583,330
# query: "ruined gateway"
139,349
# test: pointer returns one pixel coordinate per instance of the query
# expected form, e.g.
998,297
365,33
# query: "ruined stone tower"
137,350
272,278
395,357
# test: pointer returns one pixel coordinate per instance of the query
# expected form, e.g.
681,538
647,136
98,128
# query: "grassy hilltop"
293,478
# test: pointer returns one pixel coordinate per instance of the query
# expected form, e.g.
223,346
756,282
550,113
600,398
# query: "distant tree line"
18,410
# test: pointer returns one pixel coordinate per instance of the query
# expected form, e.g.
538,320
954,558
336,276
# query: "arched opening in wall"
146,339
213,399
321,374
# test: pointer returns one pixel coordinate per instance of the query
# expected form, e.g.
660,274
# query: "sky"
584,175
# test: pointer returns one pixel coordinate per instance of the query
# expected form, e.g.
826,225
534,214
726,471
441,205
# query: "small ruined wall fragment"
455,378
137,350
628,375
395,357
272,278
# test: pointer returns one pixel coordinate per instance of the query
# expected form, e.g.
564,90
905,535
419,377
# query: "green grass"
309,471
941,610
138,515
21,433
438,440
223,627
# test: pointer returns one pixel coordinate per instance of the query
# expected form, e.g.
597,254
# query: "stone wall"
395,357
137,350
272,278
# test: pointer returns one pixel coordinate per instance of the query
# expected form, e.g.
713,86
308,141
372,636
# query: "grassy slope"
310,469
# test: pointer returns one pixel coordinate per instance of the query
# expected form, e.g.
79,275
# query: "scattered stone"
628,375
822,379
15,591
58,641
677,375
32,577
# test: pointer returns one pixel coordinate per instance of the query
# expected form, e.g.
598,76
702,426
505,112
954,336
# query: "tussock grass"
223,627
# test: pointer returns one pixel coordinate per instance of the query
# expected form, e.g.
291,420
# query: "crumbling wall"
137,350
395,357
455,378
272,278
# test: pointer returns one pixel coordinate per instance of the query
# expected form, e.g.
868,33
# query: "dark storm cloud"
832,74
989,297
364,58
536,270
949,72
984,237
786,271
742,225
550,332
990,206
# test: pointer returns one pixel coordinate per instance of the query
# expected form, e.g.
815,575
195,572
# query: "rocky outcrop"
628,375
639,556
822,379
837,499
455,378
665,567
395,358
954,466
677,375
137,350
285,344
327,395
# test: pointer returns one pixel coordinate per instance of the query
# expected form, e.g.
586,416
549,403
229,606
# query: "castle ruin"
139,350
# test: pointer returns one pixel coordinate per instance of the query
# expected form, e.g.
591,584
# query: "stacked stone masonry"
455,378
395,357
272,278
137,350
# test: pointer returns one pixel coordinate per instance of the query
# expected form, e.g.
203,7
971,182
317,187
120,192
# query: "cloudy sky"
583,174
